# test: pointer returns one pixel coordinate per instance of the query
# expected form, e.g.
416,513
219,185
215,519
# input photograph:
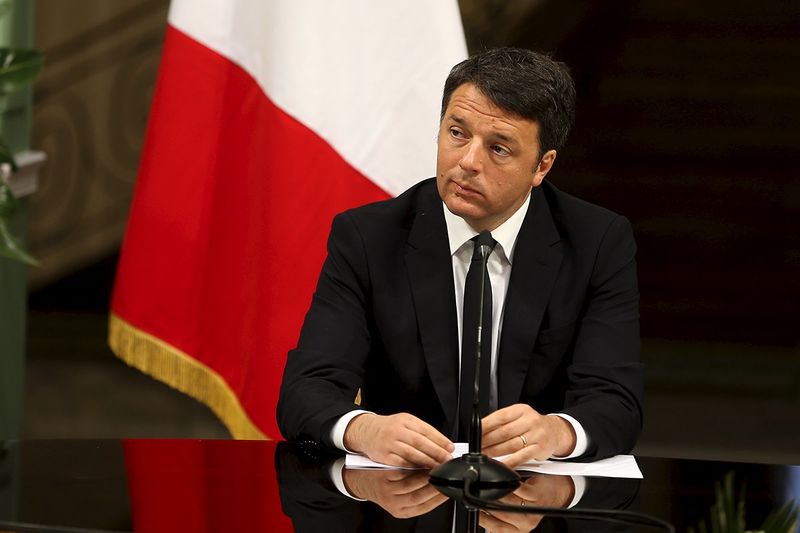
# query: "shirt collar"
459,232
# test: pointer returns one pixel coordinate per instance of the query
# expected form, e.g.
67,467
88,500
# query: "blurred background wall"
91,106
688,123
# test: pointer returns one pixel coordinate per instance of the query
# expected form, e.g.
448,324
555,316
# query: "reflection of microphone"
495,479
475,500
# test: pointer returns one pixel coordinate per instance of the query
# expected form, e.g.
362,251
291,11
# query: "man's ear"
544,166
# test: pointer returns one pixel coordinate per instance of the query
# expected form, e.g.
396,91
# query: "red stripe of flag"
227,229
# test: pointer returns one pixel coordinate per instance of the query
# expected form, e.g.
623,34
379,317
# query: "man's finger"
423,506
530,453
429,505
394,459
408,484
420,496
414,456
504,448
507,432
519,439
500,417
425,429
423,443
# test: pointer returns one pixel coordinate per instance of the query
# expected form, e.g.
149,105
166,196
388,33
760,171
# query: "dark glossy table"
154,486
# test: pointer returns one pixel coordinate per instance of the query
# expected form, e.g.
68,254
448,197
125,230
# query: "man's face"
488,159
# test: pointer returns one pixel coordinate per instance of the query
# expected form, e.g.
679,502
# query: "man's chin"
461,208
465,210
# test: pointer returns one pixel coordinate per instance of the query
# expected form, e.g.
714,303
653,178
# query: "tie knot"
481,239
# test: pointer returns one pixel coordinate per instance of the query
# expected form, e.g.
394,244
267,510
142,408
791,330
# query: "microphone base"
495,479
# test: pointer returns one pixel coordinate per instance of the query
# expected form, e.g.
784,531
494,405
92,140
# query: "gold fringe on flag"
166,363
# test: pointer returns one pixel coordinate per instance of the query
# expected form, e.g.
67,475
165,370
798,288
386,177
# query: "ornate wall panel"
90,111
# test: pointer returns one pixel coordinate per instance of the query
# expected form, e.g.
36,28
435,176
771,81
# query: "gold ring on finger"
524,440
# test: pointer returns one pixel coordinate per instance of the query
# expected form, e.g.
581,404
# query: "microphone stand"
494,479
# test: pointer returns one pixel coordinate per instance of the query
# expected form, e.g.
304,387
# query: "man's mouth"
466,191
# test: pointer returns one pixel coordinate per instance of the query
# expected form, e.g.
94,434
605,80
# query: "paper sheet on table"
620,466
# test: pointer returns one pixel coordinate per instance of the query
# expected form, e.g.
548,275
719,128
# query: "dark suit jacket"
383,319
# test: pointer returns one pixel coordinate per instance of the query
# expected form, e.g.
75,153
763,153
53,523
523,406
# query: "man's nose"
472,158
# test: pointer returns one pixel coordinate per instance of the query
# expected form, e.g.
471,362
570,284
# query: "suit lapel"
431,275
537,257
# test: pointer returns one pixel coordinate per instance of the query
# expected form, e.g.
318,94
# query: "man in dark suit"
564,379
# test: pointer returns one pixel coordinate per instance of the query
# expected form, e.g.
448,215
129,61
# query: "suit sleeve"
324,372
605,378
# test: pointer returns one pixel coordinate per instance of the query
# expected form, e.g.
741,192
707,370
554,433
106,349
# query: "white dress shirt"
499,264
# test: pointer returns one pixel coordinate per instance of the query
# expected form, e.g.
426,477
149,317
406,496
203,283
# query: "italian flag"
268,117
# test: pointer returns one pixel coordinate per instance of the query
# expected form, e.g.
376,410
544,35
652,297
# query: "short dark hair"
525,83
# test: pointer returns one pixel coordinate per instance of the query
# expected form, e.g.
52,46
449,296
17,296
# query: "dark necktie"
469,337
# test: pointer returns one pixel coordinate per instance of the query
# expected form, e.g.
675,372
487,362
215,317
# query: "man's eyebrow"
505,138
497,135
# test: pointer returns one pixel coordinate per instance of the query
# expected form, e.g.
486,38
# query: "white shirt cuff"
579,482
581,439
337,476
337,432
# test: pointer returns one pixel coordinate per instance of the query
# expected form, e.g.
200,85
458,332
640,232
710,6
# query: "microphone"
494,479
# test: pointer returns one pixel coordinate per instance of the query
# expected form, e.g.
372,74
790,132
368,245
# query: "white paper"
623,466
620,466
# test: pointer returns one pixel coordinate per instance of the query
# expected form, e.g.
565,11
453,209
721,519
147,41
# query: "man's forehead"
468,98
503,125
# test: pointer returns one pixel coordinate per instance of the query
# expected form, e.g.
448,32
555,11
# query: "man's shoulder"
399,210
575,218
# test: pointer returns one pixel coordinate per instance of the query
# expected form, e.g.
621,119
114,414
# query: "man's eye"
456,133
499,150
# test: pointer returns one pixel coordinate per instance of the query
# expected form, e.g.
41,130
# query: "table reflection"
161,486
403,500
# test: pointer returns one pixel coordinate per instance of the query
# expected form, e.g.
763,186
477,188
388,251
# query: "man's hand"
397,440
544,436
542,491
402,493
